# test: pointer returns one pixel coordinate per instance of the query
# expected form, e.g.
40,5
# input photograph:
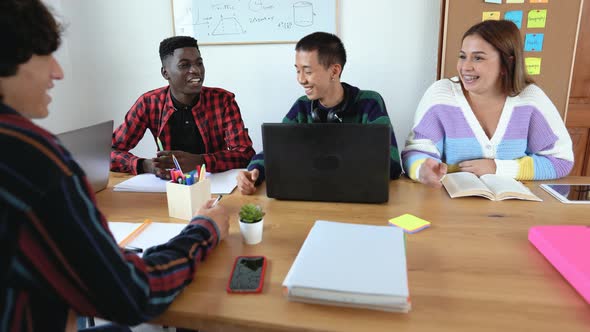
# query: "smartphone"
247,275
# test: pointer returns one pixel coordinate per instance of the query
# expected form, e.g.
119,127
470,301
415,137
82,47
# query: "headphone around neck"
335,114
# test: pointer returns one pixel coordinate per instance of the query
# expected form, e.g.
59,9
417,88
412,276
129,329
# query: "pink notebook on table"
568,249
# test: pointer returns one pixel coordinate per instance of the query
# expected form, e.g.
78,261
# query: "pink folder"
568,249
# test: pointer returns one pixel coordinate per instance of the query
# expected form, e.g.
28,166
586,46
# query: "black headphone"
335,114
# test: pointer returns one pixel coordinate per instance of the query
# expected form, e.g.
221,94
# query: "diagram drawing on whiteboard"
228,21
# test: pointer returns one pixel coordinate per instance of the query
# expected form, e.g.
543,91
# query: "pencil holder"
184,200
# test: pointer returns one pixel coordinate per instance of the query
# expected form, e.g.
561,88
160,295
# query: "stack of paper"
351,265
221,183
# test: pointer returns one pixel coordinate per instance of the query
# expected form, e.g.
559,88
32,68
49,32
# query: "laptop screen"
336,162
91,148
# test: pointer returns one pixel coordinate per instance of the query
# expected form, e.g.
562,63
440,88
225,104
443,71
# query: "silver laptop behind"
91,148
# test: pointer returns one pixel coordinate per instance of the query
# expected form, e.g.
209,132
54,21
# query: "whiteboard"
252,21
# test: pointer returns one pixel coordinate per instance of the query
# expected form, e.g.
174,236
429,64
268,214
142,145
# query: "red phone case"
247,291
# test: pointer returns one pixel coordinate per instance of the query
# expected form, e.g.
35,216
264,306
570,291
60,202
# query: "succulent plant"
251,213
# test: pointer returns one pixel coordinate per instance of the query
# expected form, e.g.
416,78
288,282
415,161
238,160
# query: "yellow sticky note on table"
533,65
409,223
490,16
537,18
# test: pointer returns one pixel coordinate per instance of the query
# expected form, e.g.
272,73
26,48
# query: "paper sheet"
156,233
221,183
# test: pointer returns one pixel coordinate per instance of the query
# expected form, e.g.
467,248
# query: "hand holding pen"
151,165
218,213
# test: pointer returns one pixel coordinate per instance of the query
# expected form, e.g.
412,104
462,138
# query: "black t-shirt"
185,135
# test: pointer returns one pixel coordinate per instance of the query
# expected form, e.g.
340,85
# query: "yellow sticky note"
490,16
537,18
514,1
539,1
409,223
533,65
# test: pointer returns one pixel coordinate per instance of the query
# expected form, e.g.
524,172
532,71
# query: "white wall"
111,57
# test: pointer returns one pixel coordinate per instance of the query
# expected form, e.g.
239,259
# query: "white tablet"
569,193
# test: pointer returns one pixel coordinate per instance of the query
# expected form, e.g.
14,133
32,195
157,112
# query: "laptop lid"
91,148
335,162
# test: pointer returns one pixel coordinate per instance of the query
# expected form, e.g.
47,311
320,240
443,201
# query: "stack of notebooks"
351,265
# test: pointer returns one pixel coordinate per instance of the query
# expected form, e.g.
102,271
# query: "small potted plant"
251,223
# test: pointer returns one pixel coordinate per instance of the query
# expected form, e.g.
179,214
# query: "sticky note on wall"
490,16
537,18
514,16
494,1
514,1
533,42
539,1
533,65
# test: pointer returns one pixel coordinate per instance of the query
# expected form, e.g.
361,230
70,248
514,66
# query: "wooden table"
472,270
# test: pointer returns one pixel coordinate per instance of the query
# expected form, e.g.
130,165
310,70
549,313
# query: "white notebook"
351,265
221,183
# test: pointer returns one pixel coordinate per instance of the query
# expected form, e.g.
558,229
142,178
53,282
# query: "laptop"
566,247
332,162
91,148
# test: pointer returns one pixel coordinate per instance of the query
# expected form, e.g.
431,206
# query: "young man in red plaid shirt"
198,124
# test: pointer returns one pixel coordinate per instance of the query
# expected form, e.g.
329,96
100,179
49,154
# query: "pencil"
216,200
133,235
159,144
176,163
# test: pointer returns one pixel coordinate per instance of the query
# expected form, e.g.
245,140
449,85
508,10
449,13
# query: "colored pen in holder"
185,200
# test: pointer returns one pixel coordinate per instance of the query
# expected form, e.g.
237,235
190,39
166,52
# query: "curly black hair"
26,28
168,45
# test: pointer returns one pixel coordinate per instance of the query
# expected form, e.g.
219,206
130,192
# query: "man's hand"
246,180
478,167
431,172
218,214
187,161
148,167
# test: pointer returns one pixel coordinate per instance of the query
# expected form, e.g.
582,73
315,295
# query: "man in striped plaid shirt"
58,257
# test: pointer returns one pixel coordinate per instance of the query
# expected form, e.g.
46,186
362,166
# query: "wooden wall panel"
580,142
581,78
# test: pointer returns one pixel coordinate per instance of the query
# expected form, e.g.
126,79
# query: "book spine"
567,269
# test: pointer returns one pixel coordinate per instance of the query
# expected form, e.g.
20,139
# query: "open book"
145,234
490,186
351,265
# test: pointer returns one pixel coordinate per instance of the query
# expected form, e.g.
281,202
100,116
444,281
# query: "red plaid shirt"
217,115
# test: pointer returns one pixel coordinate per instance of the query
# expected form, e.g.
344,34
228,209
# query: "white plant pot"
252,232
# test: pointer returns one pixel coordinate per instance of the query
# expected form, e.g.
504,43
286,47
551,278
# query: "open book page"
507,188
462,184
